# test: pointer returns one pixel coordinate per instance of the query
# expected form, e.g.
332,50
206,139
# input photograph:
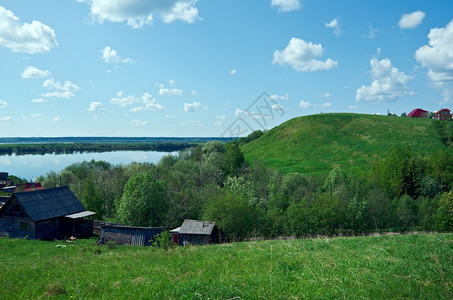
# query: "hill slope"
315,144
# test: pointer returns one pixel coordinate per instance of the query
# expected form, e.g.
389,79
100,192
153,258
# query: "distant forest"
64,145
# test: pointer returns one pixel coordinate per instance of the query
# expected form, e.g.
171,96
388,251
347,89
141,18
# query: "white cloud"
286,5
170,117
51,84
139,123
58,94
301,56
218,123
96,106
233,72
335,26
221,117
33,72
191,106
39,100
437,56
239,112
137,109
57,119
353,107
138,13
111,56
34,37
64,91
194,92
371,32
388,83
122,101
327,95
6,118
195,123
277,107
412,20
305,104
150,103
170,92
3,104
276,97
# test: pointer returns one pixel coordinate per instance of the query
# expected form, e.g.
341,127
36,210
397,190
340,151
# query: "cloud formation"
412,20
32,72
286,5
191,106
335,26
388,83
111,56
437,56
138,13
96,106
3,104
34,37
59,90
147,101
301,56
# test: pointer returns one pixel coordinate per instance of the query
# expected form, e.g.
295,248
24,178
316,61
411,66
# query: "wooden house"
4,181
442,115
128,235
418,113
45,214
195,232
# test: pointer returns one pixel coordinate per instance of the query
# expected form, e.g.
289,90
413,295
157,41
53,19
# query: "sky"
214,68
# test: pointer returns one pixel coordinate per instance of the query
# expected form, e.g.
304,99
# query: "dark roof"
197,227
3,175
49,203
418,112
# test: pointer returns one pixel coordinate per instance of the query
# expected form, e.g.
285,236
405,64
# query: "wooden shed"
128,235
195,232
45,214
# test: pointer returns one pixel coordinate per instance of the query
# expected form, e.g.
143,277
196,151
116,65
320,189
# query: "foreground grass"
377,267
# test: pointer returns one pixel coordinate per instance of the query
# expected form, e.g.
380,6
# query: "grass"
418,266
317,143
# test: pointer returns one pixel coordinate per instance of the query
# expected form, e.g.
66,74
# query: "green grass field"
418,266
317,143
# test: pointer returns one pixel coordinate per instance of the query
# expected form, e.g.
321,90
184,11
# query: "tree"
444,214
144,201
91,197
233,214
405,212
233,159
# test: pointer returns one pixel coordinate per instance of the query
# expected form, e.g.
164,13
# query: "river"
32,166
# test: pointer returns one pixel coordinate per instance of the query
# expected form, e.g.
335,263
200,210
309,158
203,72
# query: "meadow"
410,266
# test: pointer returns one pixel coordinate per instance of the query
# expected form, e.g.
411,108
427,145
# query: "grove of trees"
401,192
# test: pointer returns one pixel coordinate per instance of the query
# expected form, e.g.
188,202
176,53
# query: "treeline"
69,148
213,182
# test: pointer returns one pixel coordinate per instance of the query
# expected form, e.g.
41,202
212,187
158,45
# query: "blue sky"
200,68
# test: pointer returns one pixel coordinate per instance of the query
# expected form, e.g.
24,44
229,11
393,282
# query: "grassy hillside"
317,143
376,267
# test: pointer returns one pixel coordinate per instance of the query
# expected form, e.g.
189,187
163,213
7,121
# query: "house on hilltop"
45,214
195,232
418,113
442,115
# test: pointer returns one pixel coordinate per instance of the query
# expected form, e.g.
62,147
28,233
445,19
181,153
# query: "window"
24,226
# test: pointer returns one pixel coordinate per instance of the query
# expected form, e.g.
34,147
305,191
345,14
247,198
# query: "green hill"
317,143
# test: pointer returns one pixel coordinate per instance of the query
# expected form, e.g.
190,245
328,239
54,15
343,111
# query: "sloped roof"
418,112
197,227
49,203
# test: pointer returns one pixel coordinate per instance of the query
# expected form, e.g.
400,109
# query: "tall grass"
377,267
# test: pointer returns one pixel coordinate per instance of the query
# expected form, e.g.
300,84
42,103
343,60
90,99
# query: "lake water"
32,166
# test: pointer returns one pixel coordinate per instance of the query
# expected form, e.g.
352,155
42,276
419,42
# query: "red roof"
418,112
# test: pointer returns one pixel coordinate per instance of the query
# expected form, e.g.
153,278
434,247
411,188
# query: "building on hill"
442,115
195,232
418,113
45,214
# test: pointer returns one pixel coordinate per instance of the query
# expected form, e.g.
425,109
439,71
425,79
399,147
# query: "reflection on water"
32,166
